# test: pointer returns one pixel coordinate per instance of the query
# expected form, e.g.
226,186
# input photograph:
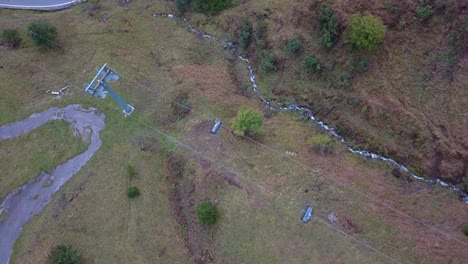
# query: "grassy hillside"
260,193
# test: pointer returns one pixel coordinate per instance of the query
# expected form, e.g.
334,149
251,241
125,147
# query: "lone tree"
365,31
247,122
42,33
207,213
12,38
64,254
323,144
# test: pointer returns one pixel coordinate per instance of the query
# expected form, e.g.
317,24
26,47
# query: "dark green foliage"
207,213
42,33
182,5
323,144
133,192
247,122
311,64
362,66
181,105
12,38
211,7
64,254
131,172
424,12
329,25
365,31
245,34
269,63
294,46
465,230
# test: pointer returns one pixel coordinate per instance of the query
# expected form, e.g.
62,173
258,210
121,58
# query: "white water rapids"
304,111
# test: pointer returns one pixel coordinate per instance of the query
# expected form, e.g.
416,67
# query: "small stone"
332,218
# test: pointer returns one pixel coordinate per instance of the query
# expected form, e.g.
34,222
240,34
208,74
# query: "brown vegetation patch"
213,82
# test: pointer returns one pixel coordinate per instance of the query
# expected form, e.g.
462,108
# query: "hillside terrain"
405,99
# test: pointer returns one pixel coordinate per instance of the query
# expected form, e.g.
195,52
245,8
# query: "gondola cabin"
216,126
307,214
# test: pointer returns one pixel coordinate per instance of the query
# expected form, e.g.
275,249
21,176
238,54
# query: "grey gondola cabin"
216,126
307,214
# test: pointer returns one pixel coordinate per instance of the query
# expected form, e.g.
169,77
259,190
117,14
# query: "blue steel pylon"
99,88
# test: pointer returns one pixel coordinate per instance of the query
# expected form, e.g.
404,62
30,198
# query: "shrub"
294,46
245,34
133,192
12,38
362,66
64,254
323,144
365,31
269,63
211,7
311,64
424,12
131,172
181,105
247,122
182,5
329,25
42,33
465,230
207,213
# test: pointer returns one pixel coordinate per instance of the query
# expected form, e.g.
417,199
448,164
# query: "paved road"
47,5
21,204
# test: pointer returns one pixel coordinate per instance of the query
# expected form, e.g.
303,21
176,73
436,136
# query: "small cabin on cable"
216,126
309,210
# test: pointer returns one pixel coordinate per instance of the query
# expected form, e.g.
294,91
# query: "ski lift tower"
99,88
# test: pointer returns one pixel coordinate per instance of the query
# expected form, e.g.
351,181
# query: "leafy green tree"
12,38
247,122
211,7
42,33
365,31
207,213
329,25
269,63
323,144
64,254
245,34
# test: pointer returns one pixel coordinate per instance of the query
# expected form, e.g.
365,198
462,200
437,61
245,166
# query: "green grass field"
260,193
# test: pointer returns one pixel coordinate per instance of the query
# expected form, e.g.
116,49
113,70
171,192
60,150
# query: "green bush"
42,33
294,46
64,254
365,31
12,38
311,64
133,192
465,230
211,7
323,144
362,66
245,34
424,12
207,213
247,122
329,25
269,63
131,172
182,5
